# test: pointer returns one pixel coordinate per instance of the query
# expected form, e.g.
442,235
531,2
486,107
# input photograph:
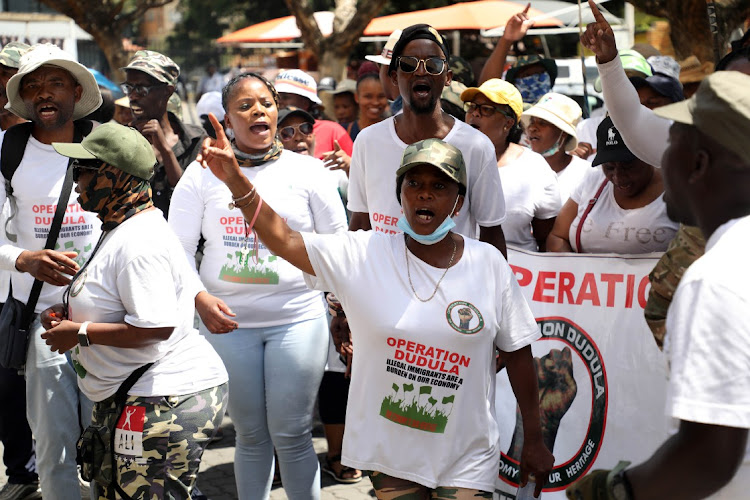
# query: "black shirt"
187,148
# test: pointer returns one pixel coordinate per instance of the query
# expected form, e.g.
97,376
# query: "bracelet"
334,306
248,203
233,203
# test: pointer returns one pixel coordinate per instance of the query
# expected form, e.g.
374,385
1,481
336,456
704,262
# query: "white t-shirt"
531,192
422,389
139,275
266,291
36,187
377,156
611,229
569,178
708,341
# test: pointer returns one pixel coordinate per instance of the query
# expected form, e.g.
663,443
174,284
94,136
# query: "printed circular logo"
77,285
572,380
464,317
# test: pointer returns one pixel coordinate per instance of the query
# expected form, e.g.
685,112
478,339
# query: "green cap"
633,63
720,108
122,147
155,64
440,154
11,54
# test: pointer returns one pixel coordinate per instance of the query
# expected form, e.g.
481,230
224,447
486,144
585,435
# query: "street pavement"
216,478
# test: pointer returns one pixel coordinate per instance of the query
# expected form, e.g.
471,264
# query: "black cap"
662,84
416,32
285,113
609,145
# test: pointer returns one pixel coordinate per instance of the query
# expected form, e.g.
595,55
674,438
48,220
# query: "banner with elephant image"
602,379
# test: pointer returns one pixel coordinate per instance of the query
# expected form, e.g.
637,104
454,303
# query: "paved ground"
216,479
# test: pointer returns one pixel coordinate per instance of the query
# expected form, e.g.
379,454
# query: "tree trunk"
689,28
350,20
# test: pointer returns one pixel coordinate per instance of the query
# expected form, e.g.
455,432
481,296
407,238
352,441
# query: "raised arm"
278,237
644,133
515,29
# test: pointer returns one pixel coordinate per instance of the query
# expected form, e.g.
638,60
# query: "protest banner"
602,379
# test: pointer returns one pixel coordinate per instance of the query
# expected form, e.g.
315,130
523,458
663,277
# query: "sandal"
347,475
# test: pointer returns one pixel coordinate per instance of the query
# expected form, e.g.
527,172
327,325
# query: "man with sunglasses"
150,80
419,67
54,92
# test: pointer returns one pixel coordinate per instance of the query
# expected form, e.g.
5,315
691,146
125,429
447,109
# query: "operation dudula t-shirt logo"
464,317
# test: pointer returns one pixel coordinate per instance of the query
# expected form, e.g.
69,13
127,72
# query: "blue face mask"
533,87
554,149
432,238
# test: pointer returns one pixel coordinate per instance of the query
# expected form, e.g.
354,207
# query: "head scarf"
115,196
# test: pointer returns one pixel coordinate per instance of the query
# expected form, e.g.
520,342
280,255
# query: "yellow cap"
498,91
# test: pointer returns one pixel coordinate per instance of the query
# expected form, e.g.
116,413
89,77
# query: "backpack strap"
13,149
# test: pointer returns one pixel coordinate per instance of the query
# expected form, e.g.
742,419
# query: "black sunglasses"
287,133
141,90
79,165
432,65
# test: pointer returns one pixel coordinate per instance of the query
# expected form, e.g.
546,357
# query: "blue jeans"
274,374
52,406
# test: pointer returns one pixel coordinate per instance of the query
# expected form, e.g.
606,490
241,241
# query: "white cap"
559,110
210,102
296,81
387,52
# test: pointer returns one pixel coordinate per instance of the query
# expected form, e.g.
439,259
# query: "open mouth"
47,110
421,89
425,215
302,150
260,128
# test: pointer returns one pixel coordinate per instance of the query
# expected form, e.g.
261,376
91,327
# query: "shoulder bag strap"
54,232
591,204
120,396
13,149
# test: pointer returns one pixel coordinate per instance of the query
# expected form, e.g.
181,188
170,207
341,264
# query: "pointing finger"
526,10
595,11
221,137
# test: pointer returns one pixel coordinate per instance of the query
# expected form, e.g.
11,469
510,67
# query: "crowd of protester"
311,238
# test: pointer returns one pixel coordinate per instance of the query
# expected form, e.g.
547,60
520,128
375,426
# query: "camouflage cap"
11,54
452,93
155,64
446,157
462,71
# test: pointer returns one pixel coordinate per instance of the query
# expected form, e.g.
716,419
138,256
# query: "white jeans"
52,407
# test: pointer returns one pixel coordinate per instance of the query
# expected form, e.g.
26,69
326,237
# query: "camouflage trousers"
392,488
164,462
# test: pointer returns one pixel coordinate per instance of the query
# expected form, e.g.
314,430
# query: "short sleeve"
709,351
333,257
591,177
485,190
517,327
148,292
548,202
357,193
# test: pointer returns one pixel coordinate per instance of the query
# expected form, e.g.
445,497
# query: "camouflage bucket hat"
155,64
11,54
445,157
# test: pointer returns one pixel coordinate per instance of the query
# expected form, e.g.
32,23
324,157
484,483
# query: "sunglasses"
141,90
80,165
287,133
487,110
432,65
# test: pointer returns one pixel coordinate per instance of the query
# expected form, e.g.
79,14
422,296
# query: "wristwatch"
618,483
83,336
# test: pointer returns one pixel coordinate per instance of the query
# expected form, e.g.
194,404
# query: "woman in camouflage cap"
420,412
